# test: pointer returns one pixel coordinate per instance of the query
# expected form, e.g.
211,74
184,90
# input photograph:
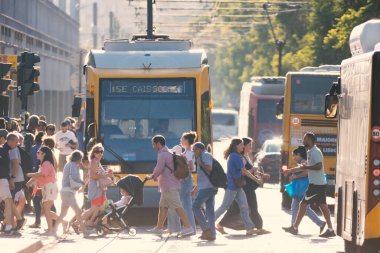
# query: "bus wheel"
369,246
286,201
349,247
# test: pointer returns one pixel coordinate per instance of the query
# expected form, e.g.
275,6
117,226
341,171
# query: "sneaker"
328,233
20,224
187,231
322,227
9,232
252,231
48,233
156,230
291,230
207,235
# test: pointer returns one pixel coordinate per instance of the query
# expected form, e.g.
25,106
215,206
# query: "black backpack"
26,161
217,176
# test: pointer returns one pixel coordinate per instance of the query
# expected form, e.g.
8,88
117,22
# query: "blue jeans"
174,224
309,212
241,199
207,197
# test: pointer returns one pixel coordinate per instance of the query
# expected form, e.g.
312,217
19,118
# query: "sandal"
75,228
220,229
35,225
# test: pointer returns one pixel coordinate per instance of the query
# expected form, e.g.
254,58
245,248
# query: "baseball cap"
199,145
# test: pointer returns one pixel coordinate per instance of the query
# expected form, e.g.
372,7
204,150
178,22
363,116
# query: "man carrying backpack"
206,192
169,187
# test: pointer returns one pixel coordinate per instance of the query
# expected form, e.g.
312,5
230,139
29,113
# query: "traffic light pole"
24,111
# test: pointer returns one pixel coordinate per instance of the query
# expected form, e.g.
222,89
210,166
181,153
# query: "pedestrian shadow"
239,237
210,244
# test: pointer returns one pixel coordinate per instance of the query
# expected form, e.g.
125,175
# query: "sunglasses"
49,129
98,151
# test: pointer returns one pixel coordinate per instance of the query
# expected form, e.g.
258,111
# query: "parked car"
269,159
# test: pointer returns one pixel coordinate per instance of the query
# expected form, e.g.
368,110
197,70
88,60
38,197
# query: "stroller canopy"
134,186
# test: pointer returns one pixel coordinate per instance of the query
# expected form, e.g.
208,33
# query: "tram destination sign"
147,87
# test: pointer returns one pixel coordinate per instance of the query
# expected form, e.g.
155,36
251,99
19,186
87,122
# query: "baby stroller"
116,216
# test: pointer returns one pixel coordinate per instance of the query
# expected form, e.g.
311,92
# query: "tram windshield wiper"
118,157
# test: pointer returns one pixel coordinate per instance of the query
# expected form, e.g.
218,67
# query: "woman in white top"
187,140
71,183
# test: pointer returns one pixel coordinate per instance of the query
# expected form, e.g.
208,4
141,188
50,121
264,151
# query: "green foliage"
316,34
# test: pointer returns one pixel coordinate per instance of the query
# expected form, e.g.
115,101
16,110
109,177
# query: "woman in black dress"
232,217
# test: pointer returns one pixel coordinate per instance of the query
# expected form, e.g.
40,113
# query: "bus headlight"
114,168
376,182
376,192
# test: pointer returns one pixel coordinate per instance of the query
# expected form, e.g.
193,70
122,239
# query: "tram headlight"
376,192
114,168
376,182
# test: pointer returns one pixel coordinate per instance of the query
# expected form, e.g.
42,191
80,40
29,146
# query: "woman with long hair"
232,218
235,183
47,181
174,225
96,193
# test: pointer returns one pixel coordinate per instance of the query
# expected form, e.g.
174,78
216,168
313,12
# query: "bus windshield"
132,111
267,111
223,119
308,93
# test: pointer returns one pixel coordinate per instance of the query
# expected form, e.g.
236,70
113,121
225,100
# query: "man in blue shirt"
206,193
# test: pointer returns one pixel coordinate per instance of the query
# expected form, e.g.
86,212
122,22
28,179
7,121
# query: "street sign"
9,58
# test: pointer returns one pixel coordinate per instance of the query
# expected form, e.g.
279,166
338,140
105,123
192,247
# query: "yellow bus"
139,88
302,110
357,97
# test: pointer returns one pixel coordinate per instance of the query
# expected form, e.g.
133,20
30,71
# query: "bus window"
131,117
205,115
267,111
308,94
223,119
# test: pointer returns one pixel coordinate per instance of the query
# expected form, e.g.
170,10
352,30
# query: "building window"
54,49
5,31
29,41
38,43
47,47
18,36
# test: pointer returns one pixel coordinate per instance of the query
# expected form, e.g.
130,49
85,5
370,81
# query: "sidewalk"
18,244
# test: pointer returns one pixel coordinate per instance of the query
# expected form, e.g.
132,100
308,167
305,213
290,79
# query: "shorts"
18,187
19,194
315,194
49,192
170,199
68,199
5,192
99,201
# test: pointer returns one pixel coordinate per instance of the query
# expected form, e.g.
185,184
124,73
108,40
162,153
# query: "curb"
34,247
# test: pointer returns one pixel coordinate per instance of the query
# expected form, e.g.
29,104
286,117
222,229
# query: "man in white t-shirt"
66,142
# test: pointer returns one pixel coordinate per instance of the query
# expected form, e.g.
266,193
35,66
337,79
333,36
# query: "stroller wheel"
100,231
132,231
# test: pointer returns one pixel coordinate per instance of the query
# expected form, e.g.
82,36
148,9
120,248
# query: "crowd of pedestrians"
29,167
28,175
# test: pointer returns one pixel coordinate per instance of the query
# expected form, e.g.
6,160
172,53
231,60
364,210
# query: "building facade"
52,31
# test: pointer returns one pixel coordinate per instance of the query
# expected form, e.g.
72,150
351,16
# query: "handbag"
74,185
240,182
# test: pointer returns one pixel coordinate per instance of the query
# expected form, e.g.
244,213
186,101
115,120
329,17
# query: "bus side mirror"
331,106
280,108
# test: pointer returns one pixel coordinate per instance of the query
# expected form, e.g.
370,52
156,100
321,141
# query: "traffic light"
27,74
4,82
